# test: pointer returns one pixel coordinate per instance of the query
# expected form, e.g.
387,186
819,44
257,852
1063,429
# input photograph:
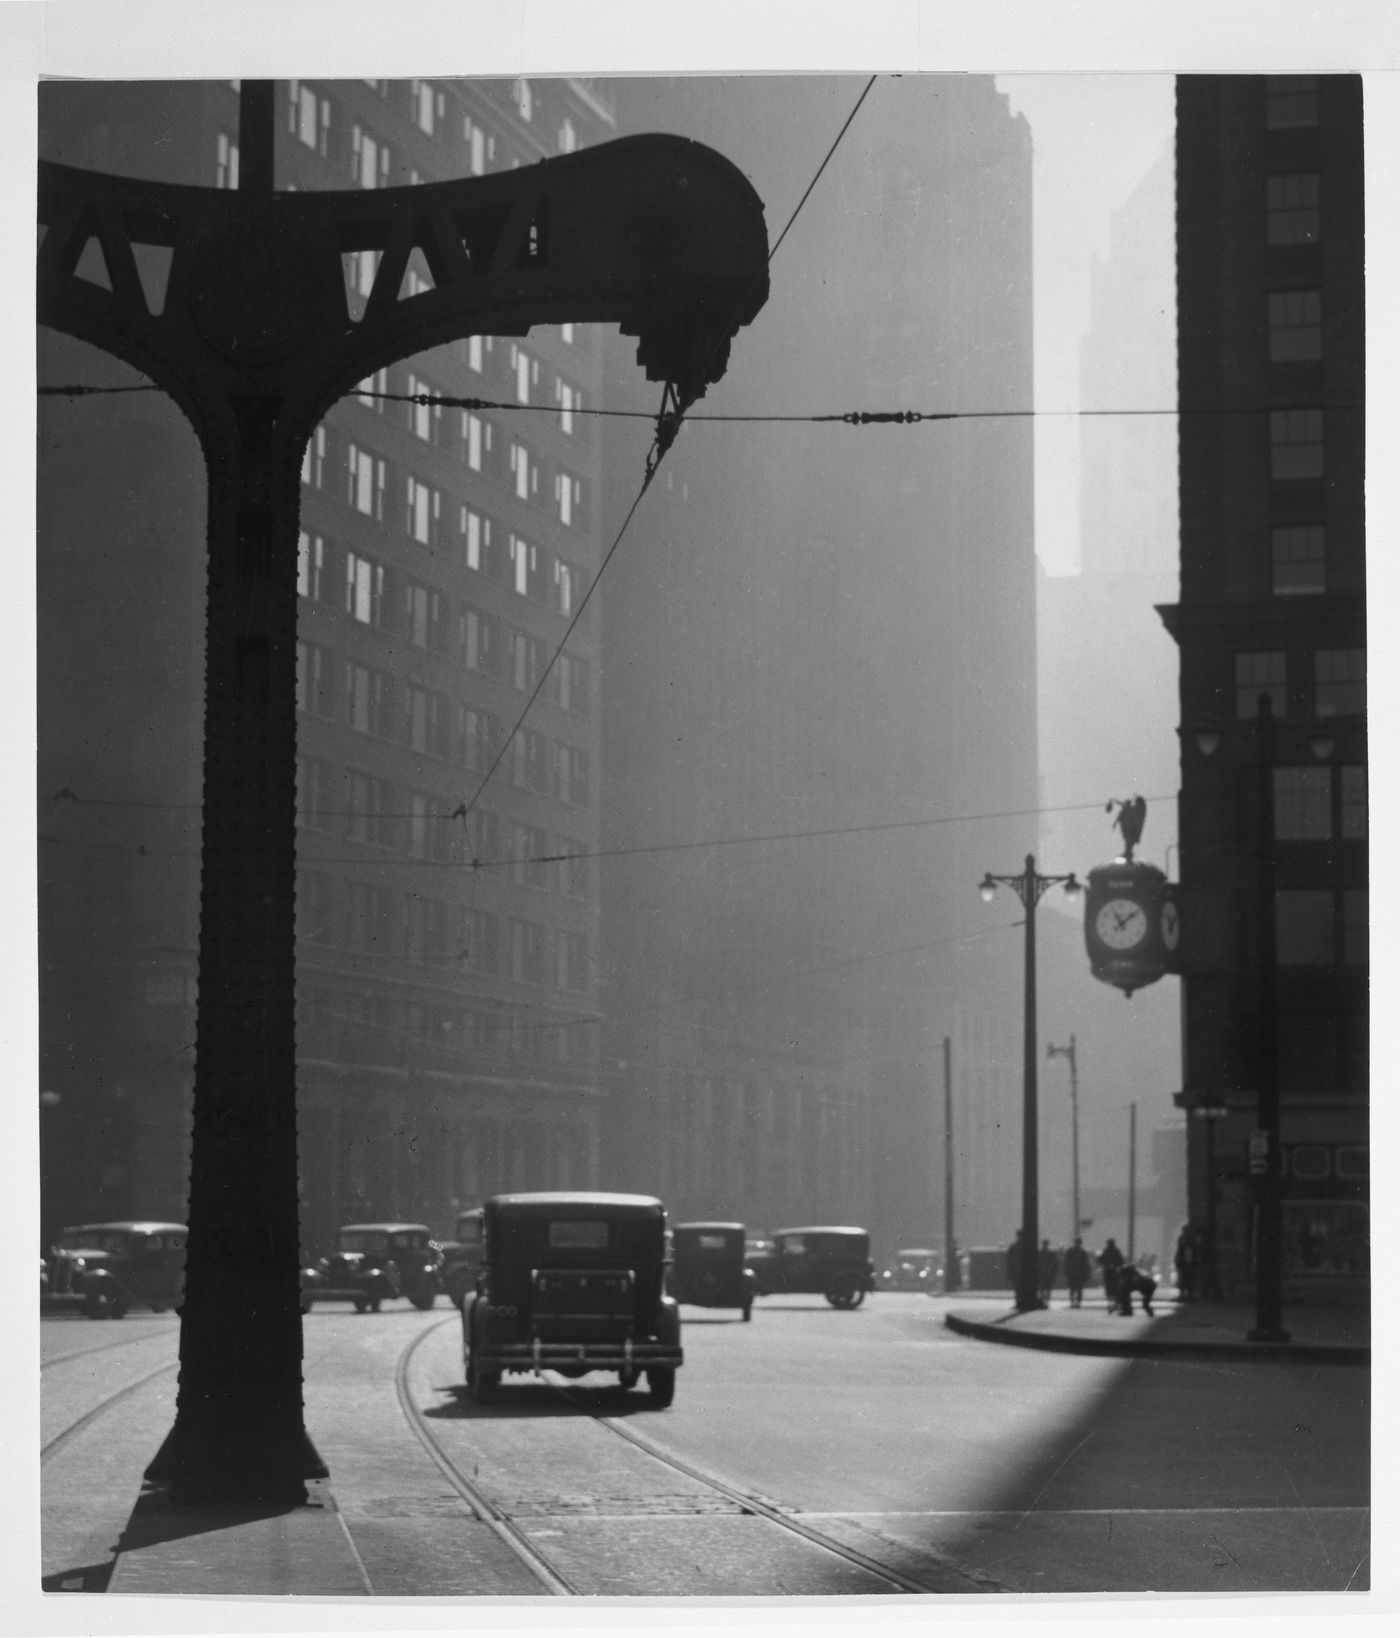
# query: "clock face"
1121,924
1170,925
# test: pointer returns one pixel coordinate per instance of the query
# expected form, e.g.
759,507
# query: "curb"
1314,1353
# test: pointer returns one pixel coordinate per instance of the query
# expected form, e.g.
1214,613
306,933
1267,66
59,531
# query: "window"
361,270
1356,926
478,643
524,98
524,660
369,699
475,438
481,144
481,941
477,541
567,585
527,958
1290,101
1303,804
311,566
371,919
423,616
315,670
1305,928
369,159
483,835
430,833
424,512
1299,553
1293,208
480,736
424,420
371,390
1354,809
568,398
571,685
315,783
525,568
425,929
572,867
225,162
371,809
1295,443
313,460
568,137
426,106
364,589
314,907
366,474
429,721
1295,325
528,845
572,955
473,349
1256,674
568,497
571,767
524,470
308,117
1339,682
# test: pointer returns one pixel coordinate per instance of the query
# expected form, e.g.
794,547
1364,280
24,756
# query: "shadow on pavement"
86,1578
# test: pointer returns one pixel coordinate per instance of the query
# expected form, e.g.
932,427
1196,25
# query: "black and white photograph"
699,923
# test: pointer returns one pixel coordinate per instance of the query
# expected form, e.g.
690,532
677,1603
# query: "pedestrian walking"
1111,1260
1077,1271
1187,1262
1131,1279
1047,1266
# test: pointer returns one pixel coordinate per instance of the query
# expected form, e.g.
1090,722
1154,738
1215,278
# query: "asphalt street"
850,1450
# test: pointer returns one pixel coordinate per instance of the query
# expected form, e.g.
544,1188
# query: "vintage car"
832,1261
913,1269
572,1283
708,1267
461,1258
372,1263
107,1268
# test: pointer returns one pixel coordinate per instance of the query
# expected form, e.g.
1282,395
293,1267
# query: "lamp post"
1264,1148
1068,1052
1029,886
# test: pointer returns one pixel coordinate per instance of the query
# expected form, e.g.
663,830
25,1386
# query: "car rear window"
710,1242
574,1235
373,1241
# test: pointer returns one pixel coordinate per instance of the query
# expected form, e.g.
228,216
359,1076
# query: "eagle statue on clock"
1132,926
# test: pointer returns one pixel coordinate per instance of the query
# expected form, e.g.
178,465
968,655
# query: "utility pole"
255,342
1132,1182
1069,1053
952,1271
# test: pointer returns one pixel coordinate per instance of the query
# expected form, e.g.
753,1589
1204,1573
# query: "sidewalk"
1321,1336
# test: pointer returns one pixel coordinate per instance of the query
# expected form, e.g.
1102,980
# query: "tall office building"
1273,807
445,959
819,668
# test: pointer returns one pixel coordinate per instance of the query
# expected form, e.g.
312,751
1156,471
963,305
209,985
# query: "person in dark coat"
1130,1279
1110,1261
1013,1259
1077,1271
1047,1266
1187,1261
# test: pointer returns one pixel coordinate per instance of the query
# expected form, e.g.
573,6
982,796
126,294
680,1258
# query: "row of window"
314,120
371,920
419,508
1313,804
358,806
1338,685
497,1031
376,594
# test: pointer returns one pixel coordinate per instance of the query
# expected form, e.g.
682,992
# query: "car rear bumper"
536,1354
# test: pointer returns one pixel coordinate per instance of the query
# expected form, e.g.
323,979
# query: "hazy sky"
1094,136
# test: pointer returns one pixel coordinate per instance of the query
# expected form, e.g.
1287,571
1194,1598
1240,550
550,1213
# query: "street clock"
1131,924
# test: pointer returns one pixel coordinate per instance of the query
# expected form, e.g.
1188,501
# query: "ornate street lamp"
1028,886
1068,1052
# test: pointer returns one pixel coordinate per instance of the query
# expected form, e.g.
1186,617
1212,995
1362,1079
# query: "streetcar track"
59,1439
129,1341
747,1501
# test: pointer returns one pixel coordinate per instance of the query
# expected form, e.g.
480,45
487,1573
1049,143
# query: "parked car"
572,1283
832,1261
461,1258
913,1269
372,1263
107,1268
708,1267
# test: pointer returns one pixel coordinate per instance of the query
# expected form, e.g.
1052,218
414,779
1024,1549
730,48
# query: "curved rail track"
550,1578
52,1446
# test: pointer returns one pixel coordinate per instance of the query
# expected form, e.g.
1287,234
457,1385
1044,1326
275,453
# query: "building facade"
447,897
1273,804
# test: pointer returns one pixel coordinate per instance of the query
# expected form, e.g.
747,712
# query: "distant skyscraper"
1270,243
823,628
